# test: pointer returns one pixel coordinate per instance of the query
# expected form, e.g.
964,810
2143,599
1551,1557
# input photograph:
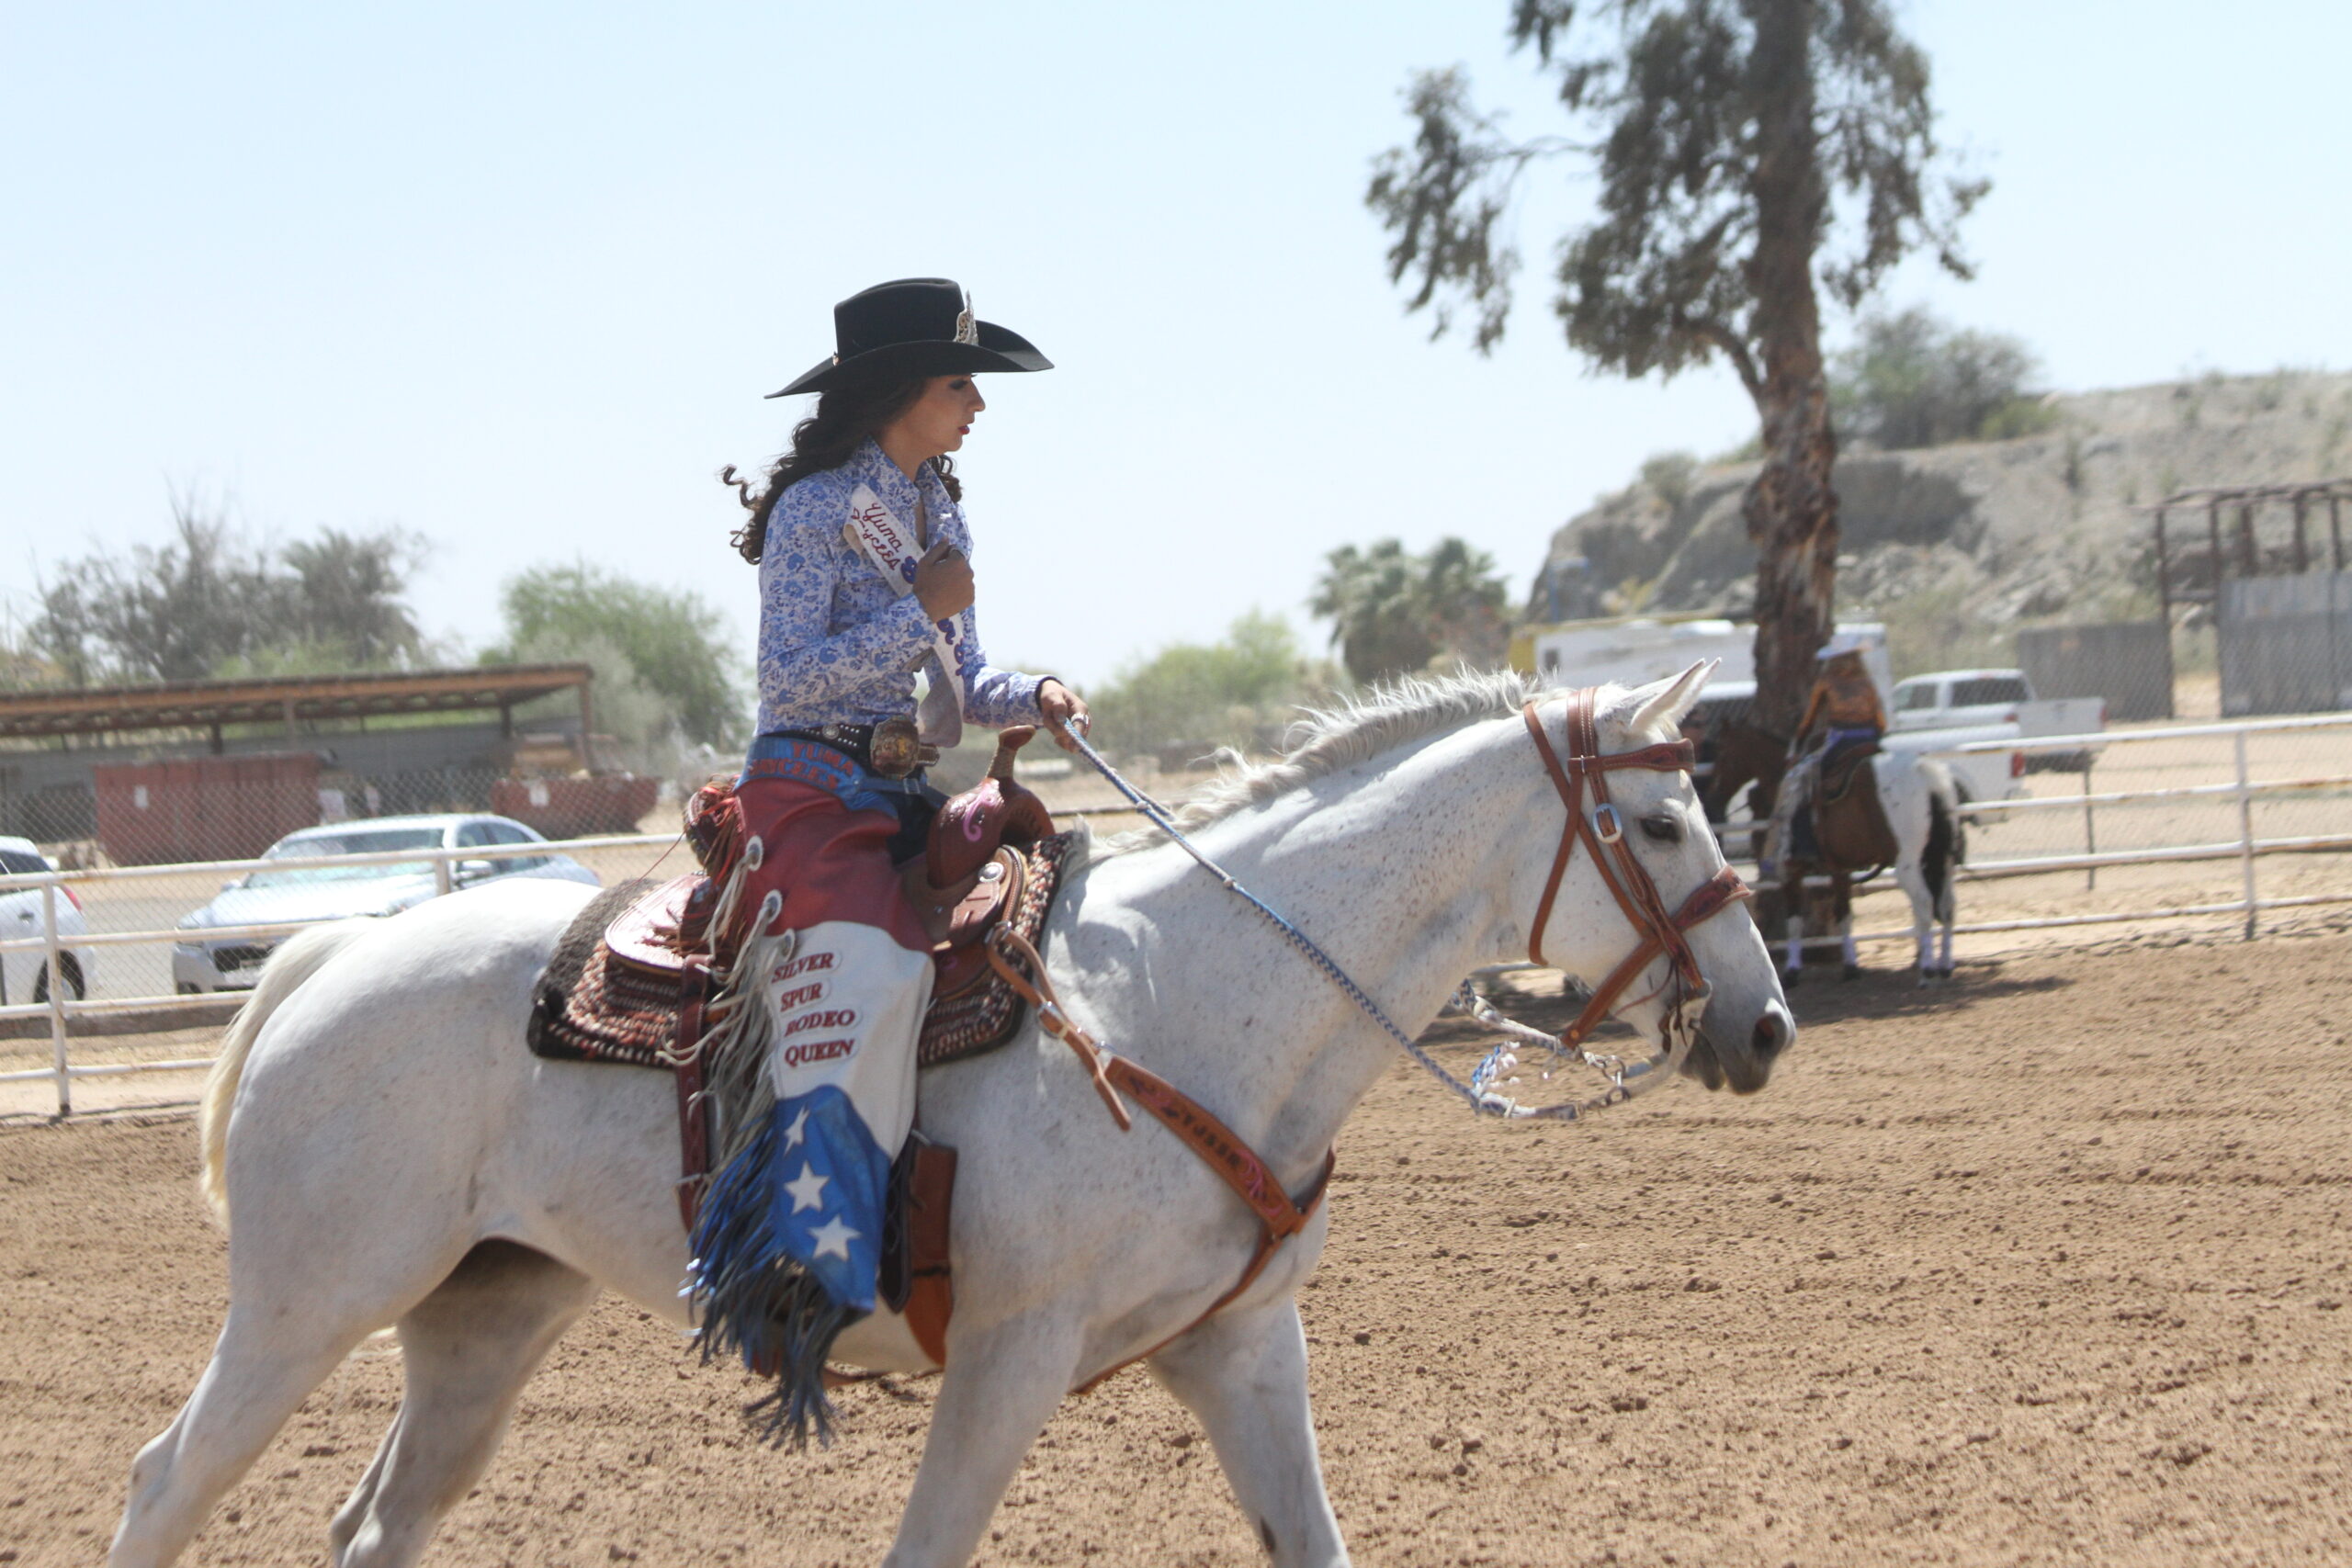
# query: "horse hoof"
1853,972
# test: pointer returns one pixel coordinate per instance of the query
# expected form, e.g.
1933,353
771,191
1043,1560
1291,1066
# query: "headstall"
1602,830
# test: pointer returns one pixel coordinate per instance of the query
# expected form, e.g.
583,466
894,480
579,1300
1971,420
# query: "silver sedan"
306,893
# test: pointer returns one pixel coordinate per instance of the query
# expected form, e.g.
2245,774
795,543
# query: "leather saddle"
1840,769
973,867
615,989
1850,829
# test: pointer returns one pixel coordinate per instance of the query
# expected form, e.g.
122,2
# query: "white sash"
890,545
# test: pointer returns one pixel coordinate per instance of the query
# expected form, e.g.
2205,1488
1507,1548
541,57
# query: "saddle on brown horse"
1850,832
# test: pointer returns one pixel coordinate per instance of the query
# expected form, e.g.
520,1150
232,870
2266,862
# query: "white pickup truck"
1955,707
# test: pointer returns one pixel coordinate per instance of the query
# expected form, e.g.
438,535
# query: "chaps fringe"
751,1297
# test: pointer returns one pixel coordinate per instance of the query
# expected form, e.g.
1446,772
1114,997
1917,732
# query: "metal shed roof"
207,705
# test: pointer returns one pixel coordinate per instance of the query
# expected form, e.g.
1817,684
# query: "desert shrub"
1912,381
1207,694
667,644
1671,476
1934,629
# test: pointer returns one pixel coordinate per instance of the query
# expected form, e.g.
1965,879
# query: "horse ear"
1662,704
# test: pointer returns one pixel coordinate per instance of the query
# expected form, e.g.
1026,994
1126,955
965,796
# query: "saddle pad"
588,1006
585,1008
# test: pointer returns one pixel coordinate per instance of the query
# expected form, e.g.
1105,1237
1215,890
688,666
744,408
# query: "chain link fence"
2232,824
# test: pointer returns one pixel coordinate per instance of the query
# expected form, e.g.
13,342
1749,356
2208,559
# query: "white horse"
1922,806
391,1154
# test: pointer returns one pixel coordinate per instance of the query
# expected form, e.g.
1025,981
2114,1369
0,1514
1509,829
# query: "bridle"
1603,830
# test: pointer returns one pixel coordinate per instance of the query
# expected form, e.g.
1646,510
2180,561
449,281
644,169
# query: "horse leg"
1002,1385
1913,883
1846,949
467,1350
1244,1374
271,1354
1792,929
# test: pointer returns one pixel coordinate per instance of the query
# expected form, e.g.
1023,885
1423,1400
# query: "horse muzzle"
1726,1054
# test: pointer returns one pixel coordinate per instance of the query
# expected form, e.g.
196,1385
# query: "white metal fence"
2185,821
2163,823
122,907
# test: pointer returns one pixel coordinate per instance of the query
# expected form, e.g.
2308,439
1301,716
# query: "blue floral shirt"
838,643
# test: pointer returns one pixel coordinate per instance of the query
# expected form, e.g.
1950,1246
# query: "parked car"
24,976
270,897
1996,704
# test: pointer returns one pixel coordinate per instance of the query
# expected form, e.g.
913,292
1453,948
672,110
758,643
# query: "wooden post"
2163,573
505,720
2249,562
2302,560
587,723
2335,531
2213,547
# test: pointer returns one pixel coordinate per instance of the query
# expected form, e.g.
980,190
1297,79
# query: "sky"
514,277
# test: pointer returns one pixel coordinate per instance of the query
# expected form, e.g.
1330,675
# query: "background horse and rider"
1896,809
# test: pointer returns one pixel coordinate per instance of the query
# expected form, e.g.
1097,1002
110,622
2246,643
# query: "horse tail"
1947,843
296,960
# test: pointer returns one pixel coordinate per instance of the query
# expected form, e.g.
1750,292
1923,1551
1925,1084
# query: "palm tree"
1392,613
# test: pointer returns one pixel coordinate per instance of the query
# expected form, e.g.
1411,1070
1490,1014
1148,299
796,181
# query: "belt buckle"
895,749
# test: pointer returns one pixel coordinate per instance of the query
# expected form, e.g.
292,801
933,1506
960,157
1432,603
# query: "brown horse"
1851,840
1741,755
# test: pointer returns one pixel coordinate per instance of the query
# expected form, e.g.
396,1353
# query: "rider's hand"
944,581
1062,707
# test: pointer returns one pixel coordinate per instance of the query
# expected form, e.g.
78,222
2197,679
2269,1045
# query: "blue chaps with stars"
788,1242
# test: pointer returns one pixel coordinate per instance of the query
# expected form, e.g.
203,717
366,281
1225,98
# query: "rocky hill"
1957,545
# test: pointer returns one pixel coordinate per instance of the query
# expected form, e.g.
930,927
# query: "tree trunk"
1790,511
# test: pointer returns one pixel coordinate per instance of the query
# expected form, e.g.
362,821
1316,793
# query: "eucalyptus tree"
1750,154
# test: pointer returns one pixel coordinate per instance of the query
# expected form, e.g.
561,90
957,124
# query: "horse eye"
1662,828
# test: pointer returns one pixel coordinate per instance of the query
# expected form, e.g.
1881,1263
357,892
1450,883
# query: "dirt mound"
2046,1267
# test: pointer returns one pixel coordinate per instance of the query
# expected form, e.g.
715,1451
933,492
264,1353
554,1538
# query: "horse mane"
1326,740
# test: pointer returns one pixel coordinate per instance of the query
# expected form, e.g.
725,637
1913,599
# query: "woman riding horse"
1843,711
865,581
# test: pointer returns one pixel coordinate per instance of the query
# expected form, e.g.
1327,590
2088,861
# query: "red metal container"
197,808
573,808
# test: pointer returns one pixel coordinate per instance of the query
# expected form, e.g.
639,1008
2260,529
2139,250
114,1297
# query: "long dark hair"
845,417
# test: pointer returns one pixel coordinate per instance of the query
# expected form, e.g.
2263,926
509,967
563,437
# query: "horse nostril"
1772,1035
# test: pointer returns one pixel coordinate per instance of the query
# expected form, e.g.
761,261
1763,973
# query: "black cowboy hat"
915,326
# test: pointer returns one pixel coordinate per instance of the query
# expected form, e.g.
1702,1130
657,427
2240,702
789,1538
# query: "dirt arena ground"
2048,1266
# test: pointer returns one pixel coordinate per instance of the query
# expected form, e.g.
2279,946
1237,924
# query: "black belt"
891,750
